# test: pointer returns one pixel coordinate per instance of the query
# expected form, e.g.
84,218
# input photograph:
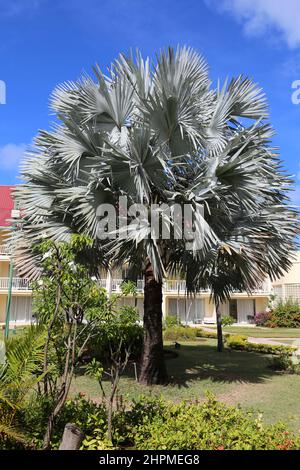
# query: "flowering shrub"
262,318
284,315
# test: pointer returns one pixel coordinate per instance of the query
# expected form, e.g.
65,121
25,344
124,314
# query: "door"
177,309
199,310
245,310
21,309
233,309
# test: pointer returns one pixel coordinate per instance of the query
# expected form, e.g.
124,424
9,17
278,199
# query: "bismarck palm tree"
158,133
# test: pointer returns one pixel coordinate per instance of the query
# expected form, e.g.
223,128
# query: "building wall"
3,298
287,287
3,236
191,309
293,276
4,268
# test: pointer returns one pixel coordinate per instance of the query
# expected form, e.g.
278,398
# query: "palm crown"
159,133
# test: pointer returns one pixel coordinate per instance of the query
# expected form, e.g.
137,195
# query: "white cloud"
259,17
11,155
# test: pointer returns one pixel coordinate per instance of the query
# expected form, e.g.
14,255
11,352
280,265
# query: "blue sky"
44,42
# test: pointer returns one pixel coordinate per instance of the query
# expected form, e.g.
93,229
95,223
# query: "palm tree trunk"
153,369
219,328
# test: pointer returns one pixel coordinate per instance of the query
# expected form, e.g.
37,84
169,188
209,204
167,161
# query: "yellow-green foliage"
186,333
153,423
180,333
209,426
241,343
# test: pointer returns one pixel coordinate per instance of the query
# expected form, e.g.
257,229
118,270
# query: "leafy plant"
209,426
170,321
262,318
119,332
64,296
21,373
180,332
282,362
241,343
153,423
206,334
285,315
228,320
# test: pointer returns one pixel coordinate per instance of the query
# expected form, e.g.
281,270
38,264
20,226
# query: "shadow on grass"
200,361
196,362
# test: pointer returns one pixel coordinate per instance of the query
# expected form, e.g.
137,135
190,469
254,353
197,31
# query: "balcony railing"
5,250
18,283
173,286
177,286
116,285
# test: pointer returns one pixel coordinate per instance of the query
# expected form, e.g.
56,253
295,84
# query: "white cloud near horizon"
11,155
275,17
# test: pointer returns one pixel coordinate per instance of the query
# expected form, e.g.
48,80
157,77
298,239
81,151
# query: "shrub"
107,336
89,416
285,315
180,332
282,362
152,423
262,318
170,321
208,426
206,334
241,343
227,320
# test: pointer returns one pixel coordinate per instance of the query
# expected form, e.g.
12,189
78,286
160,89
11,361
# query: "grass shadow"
202,361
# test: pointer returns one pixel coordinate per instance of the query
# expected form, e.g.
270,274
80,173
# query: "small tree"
63,298
120,331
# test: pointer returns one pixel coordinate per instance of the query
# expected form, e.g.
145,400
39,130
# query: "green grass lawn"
12,332
258,332
234,377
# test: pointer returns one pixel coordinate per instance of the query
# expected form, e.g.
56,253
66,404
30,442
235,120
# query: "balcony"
116,284
177,287
18,284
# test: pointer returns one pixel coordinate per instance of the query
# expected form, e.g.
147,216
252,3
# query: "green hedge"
241,343
285,315
186,333
180,333
227,320
206,334
151,423
208,426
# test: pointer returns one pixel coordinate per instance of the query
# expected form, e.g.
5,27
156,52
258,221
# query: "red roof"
6,205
